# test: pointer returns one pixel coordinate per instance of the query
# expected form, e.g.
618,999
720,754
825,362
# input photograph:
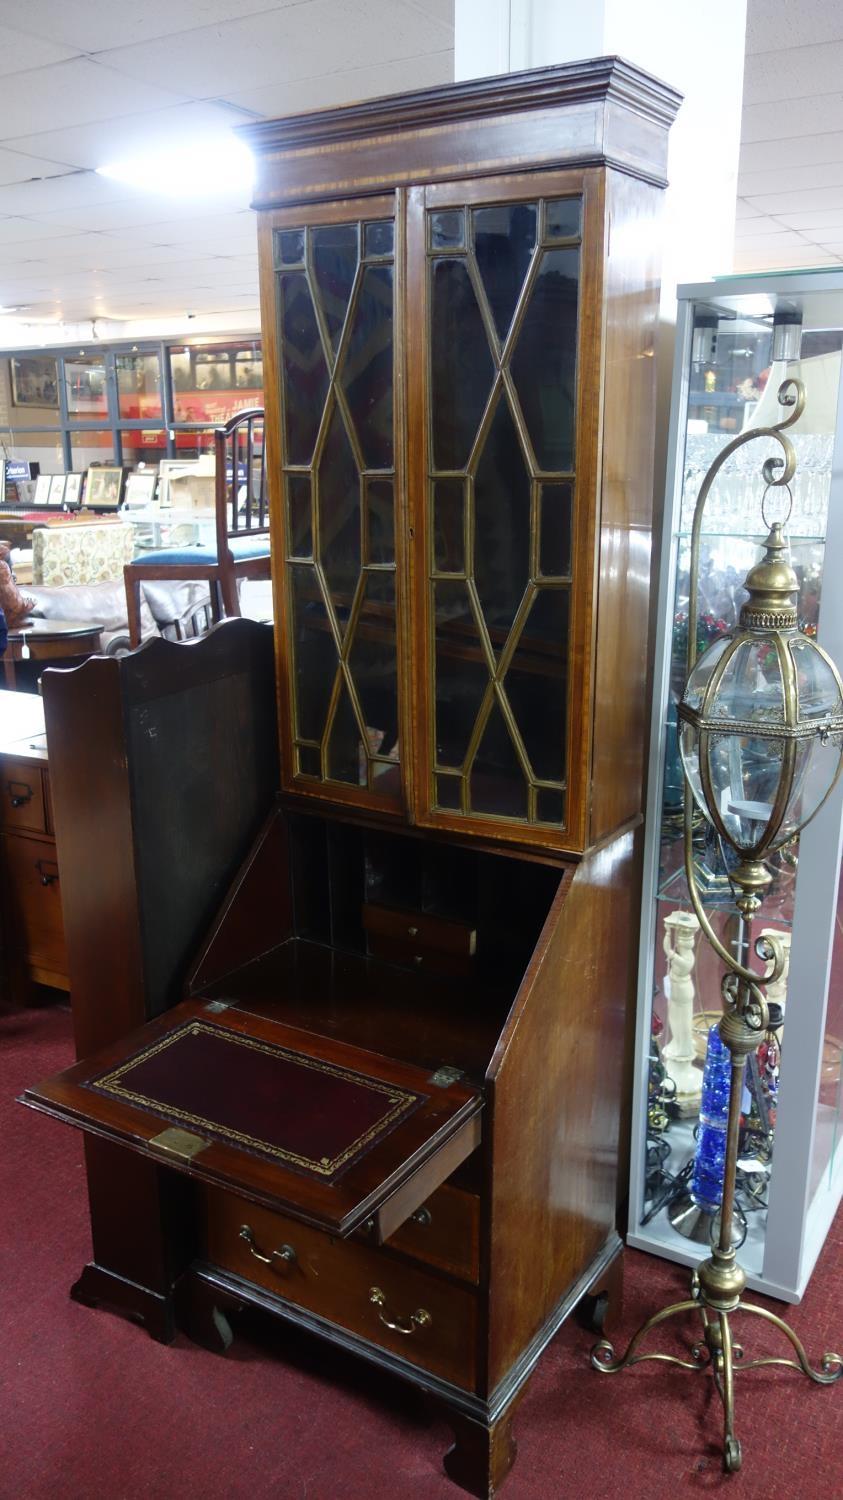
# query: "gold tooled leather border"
402,1101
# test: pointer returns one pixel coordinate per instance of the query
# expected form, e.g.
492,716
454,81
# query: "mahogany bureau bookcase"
388,1109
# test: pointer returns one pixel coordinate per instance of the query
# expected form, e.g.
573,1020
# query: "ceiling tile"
814,116
796,73
74,93
19,231
97,24
782,204
70,190
816,219
775,24
15,167
308,39
93,144
795,151
293,96
19,53
744,210
759,224
789,179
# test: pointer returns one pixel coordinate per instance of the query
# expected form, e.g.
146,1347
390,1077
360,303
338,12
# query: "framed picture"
73,491
43,485
35,380
104,488
57,489
140,489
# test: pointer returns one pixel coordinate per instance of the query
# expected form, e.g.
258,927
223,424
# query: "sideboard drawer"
360,1288
443,1232
21,796
34,901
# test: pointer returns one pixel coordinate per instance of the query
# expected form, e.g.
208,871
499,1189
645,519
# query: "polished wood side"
31,920
621,713
556,1086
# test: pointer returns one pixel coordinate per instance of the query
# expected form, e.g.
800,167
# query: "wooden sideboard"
33,945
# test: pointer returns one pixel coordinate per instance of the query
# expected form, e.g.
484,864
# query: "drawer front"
21,796
444,1232
34,898
359,1288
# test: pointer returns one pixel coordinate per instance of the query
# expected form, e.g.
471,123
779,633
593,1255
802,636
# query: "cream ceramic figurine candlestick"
680,936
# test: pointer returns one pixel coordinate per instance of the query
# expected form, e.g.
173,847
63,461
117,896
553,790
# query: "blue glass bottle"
710,1153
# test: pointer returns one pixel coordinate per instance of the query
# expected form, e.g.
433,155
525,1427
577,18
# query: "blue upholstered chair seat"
242,548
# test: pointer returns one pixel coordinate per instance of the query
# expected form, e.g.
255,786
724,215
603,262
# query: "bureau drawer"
358,1287
443,1232
34,901
21,796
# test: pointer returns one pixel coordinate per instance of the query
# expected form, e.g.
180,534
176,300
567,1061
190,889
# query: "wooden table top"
48,630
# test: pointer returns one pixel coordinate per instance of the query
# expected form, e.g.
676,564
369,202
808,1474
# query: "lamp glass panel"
751,686
701,674
816,683
814,773
745,770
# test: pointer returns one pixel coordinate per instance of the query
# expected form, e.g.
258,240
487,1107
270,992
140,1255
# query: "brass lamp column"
761,739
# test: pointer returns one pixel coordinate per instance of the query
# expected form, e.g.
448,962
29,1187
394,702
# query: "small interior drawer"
22,796
358,1287
405,936
444,1231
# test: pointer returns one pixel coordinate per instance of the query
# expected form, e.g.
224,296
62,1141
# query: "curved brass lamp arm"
791,393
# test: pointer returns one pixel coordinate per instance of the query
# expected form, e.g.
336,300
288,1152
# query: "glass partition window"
43,448
504,298
85,386
139,386
212,382
335,295
88,448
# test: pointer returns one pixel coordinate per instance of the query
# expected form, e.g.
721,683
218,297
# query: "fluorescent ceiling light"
196,169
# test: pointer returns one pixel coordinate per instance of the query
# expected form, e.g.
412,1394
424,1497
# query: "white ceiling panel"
811,116
97,24
794,151
794,74
15,167
19,53
755,225
816,219
783,204
54,194
73,93
294,96
308,39
790,179
18,231
93,144
775,24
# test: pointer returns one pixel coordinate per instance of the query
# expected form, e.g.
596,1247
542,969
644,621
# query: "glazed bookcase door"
334,300
502,378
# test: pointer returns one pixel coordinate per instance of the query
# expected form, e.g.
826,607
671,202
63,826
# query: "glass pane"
91,448
545,360
379,238
550,805
372,663
536,683
562,218
43,448
195,444
339,516
501,525
299,518
35,387
305,375
461,673
84,383
148,446
138,386
555,533
347,760
309,760
212,382
497,782
367,367
314,652
381,521
289,247
447,229
448,792
448,526
461,364
334,251
504,241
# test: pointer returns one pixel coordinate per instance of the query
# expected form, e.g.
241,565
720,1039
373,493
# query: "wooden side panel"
257,914
631,294
556,1085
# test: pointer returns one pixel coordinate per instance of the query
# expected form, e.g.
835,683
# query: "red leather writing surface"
309,1114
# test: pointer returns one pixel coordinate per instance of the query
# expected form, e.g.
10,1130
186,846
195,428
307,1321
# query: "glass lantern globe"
761,721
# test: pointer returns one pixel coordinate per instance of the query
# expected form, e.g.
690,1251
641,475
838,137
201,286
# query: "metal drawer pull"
419,1319
19,792
286,1254
48,871
423,1217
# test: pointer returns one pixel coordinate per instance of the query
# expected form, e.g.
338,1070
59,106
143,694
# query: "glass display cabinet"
738,340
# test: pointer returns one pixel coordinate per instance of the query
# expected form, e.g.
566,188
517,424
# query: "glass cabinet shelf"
790,1180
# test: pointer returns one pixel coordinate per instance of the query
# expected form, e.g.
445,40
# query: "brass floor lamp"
761,739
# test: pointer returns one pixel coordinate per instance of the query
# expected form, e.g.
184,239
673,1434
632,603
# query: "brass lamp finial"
771,585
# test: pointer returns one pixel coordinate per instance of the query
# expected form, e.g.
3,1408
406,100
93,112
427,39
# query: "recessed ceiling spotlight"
213,165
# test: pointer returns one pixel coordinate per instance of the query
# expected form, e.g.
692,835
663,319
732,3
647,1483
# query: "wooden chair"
241,549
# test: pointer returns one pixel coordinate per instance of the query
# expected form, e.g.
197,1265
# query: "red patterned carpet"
92,1409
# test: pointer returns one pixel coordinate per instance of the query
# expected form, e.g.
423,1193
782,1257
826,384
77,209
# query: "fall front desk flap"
327,1132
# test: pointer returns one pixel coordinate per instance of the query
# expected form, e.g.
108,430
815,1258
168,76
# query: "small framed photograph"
57,483
73,491
140,489
104,488
35,380
43,485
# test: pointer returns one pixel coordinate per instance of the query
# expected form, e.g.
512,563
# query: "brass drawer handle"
419,1319
423,1217
20,793
286,1254
48,871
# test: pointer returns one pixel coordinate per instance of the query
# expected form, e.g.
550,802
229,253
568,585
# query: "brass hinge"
182,1144
444,1077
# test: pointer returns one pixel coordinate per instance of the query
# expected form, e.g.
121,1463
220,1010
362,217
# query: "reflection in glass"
563,218
448,792
501,525
461,364
550,805
339,515
334,252
372,662
447,229
448,526
379,238
461,673
497,781
381,521
366,375
305,376
346,756
536,683
84,383
138,385
309,760
555,533
504,241
300,540
313,651
545,360
289,246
